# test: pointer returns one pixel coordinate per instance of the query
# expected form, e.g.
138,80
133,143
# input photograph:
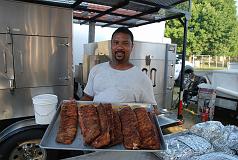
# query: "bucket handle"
45,114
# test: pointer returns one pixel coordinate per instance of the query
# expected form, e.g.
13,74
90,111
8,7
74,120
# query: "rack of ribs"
104,138
149,138
116,134
89,123
114,124
68,123
129,128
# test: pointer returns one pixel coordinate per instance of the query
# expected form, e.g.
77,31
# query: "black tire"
13,143
186,73
194,87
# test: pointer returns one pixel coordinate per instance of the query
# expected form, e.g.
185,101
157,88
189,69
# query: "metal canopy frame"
116,13
128,13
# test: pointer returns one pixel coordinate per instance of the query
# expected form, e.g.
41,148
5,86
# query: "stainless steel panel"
159,65
40,61
42,55
164,100
48,141
170,76
141,65
143,49
171,59
19,103
6,61
171,50
35,19
154,71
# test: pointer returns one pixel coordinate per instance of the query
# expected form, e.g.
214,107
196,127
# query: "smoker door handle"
151,76
21,61
5,61
64,44
8,39
144,70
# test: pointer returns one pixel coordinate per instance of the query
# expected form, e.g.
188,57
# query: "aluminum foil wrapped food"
223,138
228,142
210,130
198,144
232,139
214,156
185,146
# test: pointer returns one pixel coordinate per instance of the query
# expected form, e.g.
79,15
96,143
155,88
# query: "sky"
237,7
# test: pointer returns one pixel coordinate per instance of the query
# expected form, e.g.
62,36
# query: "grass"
210,69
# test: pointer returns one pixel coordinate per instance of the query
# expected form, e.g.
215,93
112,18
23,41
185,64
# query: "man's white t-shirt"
109,85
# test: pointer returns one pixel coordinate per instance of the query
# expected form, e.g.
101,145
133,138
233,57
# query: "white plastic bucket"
45,107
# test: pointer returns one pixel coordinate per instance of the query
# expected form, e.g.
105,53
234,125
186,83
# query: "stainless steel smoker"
156,60
35,55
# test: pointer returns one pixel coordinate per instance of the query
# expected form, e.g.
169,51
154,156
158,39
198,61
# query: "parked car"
191,80
178,66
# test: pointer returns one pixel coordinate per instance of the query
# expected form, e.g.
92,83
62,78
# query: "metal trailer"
50,22
35,58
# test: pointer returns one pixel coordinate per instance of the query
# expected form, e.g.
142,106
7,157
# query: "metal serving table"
117,156
123,155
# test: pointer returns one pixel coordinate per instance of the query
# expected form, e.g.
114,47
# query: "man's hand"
155,110
86,98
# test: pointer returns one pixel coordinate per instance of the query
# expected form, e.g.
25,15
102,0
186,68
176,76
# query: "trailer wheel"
24,145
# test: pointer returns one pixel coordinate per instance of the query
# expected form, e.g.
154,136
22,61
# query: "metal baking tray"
49,139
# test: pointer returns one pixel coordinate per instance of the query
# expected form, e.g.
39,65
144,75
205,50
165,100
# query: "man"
119,81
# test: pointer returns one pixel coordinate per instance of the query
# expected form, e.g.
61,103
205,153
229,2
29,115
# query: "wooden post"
223,61
193,60
209,61
216,61
202,61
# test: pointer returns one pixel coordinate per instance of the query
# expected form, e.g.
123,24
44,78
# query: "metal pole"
91,32
180,108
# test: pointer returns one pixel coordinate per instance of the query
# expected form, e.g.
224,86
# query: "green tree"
212,29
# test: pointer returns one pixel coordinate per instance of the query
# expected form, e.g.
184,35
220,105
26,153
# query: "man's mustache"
120,52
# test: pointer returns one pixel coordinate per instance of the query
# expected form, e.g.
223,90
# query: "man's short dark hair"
125,31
